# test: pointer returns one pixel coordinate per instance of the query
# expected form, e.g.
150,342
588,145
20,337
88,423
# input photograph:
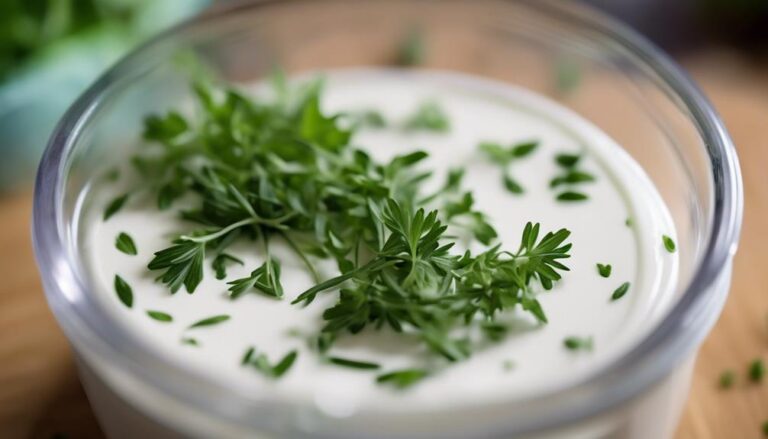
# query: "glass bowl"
567,52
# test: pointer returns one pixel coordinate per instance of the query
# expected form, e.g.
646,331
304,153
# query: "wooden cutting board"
40,395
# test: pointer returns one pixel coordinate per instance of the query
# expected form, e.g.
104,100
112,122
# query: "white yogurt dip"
530,361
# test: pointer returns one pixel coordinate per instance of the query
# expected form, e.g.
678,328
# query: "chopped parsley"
124,291
260,362
727,379
504,156
114,206
756,370
570,178
429,116
261,170
354,364
209,321
578,343
669,244
160,316
125,244
402,379
619,292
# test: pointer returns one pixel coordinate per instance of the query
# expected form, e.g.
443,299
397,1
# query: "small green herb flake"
412,50
524,149
260,362
124,291
566,160
669,244
210,321
402,379
512,185
508,365
578,343
220,263
112,175
572,177
428,117
372,119
125,244
266,279
727,379
160,316
765,428
604,270
189,341
571,196
354,364
183,265
114,206
620,291
285,364
628,222
756,370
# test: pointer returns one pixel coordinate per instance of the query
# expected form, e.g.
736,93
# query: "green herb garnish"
402,379
578,343
727,379
266,279
571,196
620,291
160,316
220,262
428,117
669,244
604,270
124,291
369,119
112,175
756,370
764,428
209,321
115,205
504,156
412,51
190,341
285,170
567,160
183,264
355,364
261,363
570,176
125,244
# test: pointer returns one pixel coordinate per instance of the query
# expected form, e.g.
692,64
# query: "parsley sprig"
283,170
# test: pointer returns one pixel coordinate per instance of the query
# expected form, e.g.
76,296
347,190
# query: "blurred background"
51,50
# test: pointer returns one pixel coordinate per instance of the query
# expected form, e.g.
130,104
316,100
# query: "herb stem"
276,223
310,266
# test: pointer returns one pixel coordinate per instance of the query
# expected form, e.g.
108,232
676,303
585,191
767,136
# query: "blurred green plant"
28,27
50,50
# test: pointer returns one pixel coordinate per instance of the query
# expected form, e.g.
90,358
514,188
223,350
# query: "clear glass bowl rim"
681,330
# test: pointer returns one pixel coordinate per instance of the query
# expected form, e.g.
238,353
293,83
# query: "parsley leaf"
620,291
125,244
124,291
209,321
115,205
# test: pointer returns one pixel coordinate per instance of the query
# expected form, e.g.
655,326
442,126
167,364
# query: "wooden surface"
40,395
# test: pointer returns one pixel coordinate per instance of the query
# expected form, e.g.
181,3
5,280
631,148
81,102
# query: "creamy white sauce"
479,110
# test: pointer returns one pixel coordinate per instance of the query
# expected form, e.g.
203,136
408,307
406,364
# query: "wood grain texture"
40,394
